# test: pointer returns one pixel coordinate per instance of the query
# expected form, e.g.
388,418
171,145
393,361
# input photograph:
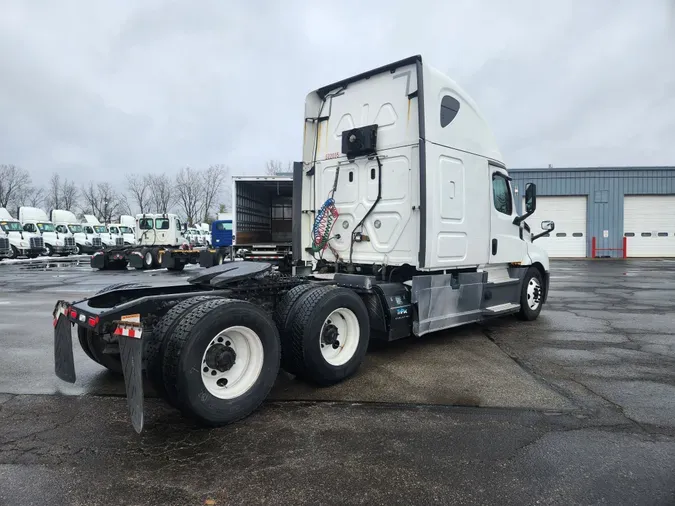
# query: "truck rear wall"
262,209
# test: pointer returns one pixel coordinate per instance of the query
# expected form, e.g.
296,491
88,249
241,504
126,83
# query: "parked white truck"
36,221
403,196
21,243
102,237
124,230
67,223
160,242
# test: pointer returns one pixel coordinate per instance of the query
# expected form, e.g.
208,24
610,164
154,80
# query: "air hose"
325,220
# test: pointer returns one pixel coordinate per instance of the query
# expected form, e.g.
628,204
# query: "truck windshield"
162,224
100,229
126,230
145,223
46,227
75,229
223,226
11,226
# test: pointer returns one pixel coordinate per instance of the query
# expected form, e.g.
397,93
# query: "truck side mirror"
547,226
530,197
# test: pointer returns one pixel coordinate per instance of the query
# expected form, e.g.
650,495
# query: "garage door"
569,214
649,225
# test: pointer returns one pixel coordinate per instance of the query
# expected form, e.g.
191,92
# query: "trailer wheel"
329,335
222,360
155,346
531,295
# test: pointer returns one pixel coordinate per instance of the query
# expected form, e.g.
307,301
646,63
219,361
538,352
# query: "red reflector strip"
73,314
93,321
128,331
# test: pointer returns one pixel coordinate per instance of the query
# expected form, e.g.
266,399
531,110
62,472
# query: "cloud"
101,88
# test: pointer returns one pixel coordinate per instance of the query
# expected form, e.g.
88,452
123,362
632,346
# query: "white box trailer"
262,218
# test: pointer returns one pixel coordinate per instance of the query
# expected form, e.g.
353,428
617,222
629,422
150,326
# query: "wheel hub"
330,335
220,357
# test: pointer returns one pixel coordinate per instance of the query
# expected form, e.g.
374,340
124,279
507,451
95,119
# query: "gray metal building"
595,208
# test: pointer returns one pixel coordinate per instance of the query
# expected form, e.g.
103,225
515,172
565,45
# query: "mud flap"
64,364
131,353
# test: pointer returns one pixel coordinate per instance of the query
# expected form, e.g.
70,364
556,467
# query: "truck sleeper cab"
21,243
66,223
404,224
36,221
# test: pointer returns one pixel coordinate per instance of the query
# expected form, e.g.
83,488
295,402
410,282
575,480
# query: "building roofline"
588,169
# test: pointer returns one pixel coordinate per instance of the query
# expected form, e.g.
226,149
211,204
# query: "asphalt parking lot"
577,407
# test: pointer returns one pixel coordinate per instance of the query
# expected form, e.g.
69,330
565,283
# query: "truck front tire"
222,360
531,295
328,336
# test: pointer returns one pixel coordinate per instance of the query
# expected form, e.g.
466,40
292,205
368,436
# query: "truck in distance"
160,243
404,202
36,221
21,243
66,223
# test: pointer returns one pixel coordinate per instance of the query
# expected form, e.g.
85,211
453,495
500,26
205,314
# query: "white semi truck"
67,223
102,236
36,221
159,242
125,228
21,243
405,204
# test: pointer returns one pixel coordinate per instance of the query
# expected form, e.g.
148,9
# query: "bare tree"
69,194
53,199
61,195
273,167
213,183
162,195
189,190
15,184
102,201
139,190
36,197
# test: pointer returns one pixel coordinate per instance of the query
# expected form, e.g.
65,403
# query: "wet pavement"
577,407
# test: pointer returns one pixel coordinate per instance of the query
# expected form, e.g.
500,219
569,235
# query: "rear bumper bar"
131,352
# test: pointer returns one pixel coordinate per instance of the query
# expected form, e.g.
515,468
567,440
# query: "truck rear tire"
155,346
156,260
531,295
93,345
222,360
283,317
328,336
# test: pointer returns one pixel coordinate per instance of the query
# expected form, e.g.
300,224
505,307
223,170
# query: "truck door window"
501,194
62,229
28,227
178,225
145,223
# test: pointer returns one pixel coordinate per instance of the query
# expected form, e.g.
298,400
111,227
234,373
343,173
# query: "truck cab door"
505,243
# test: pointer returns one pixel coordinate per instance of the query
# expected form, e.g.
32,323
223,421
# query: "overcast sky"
108,87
